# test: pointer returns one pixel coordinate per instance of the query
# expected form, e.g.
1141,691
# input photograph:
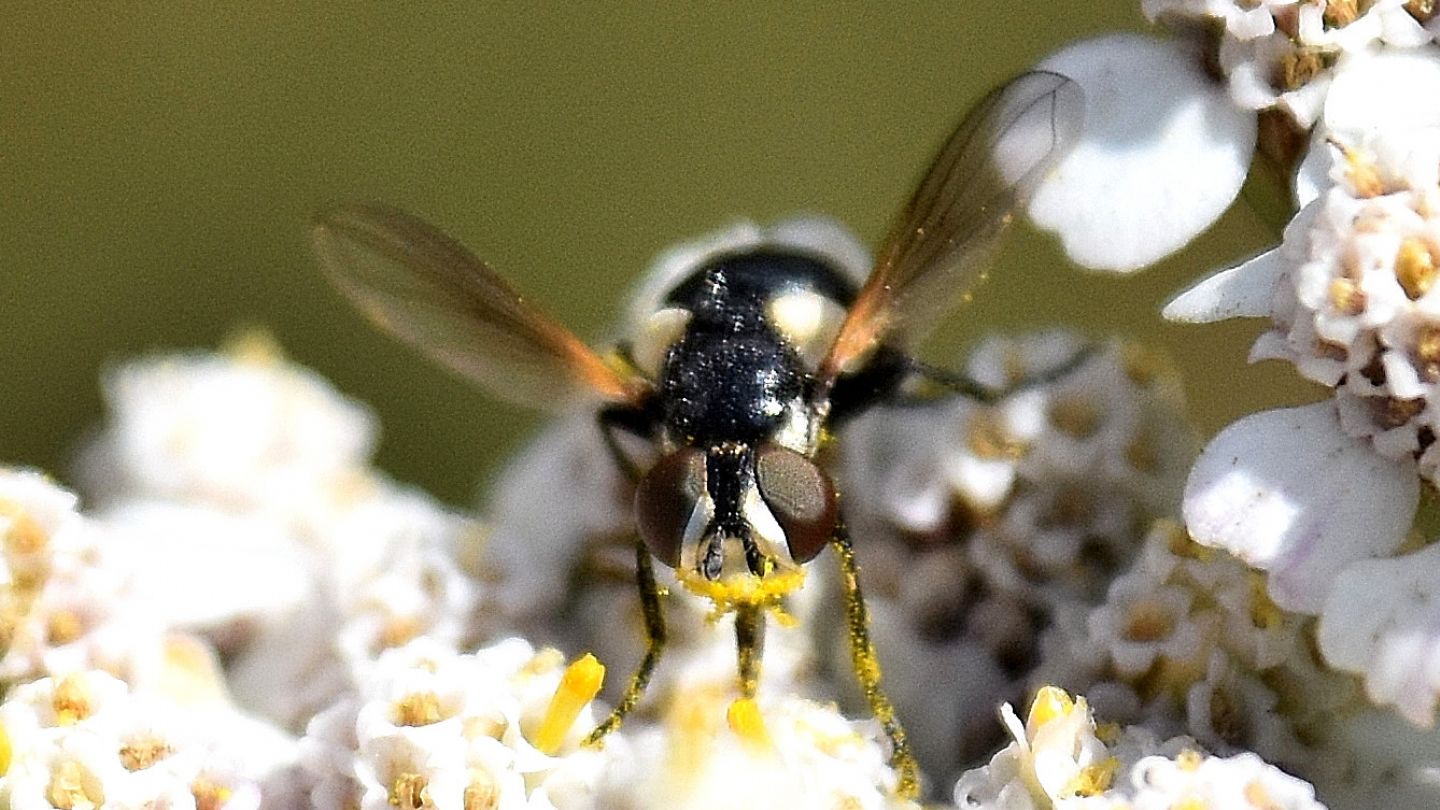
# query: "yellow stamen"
1298,67
210,795
6,750
71,701
747,722
1340,13
410,791
578,686
1092,780
1189,759
25,536
72,787
139,753
1361,173
417,709
1414,268
1050,703
1346,297
253,345
482,793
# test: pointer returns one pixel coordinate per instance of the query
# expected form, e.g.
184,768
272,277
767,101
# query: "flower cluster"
977,524
1060,757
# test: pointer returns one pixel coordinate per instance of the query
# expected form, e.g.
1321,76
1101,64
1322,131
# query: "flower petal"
1244,291
1290,494
1163,154
1382,620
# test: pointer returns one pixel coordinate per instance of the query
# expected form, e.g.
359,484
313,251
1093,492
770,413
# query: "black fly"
758,354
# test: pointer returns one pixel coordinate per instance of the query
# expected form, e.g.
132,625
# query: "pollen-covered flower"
977,524
265,528
430,727
1306,492
87,740
239,431
792,753
1060,757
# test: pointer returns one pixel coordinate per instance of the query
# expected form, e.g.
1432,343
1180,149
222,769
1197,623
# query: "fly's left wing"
946,233
420,285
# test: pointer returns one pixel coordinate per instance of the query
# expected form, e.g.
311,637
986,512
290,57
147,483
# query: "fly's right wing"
425,288
944,236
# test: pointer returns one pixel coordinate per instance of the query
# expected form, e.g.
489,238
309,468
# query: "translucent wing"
424,287
944,235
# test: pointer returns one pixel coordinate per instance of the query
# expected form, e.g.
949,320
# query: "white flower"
1305,492
1061,758
1394,641
86,740
240,431
1163,153
431,727
804,755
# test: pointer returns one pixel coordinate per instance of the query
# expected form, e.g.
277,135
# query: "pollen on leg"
748,723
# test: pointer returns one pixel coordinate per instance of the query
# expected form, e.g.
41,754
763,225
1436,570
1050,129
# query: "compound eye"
666,499
802,498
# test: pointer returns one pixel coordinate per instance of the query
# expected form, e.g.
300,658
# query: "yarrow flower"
1060,757
87,740
978,523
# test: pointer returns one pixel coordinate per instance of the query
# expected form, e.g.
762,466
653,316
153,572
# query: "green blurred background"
159,164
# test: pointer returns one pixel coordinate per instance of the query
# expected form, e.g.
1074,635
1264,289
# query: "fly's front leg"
940,382
654,644
867,668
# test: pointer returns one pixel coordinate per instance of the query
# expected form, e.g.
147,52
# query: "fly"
759,354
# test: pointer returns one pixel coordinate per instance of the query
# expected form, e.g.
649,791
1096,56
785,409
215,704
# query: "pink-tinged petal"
1244,291
1163,154
1289,493
1382,621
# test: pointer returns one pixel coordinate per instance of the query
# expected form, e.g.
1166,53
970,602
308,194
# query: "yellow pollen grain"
482,793
542,662
1427,353
71,701
253,345
25,536
1346,297
1298,67
1362,174
139,753
1092,780
1075,417
396,631
1396,412
63,627
1050,702
73,788
410,791
7,750
1189,760
417,709
1259,797
1148,622
1191,803
210,795
578,686
745,719
1414,268
1340,13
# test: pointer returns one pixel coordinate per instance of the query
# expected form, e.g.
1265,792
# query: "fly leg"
867,668
654,645
749,643
939,382
640,424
